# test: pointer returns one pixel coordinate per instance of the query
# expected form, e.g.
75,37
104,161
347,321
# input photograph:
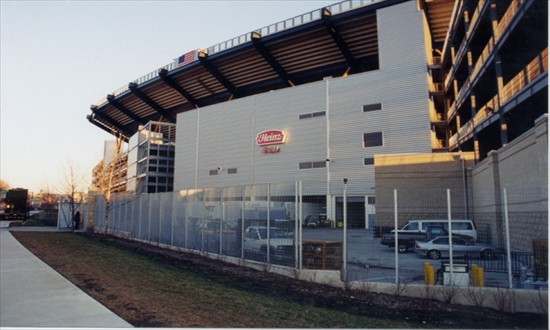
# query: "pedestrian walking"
77,220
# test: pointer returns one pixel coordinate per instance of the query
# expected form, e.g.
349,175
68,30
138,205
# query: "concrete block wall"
421,181
521,168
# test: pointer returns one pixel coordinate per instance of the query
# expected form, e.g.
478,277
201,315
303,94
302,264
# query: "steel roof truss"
203,58
154,105
111,99
163,73
331,28
105,126
257,42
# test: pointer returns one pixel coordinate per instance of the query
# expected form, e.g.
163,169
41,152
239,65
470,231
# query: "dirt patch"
151,312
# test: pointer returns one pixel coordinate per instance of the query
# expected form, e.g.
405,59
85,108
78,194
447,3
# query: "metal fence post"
268,250
300,218
185,226
507,231
174,215
450,236
222,220
344,250
149,217
396,236
242,222
296,224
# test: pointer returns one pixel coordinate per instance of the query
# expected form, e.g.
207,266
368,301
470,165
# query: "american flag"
187,58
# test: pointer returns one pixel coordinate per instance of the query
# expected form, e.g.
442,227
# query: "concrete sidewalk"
34,295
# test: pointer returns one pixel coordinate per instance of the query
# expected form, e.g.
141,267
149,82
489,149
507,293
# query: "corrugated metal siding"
186,141
398,85
401,39
228,130
305,138
225,141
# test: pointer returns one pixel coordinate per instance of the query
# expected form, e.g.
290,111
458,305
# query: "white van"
463,227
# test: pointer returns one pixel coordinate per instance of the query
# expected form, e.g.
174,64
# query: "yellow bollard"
474,274
480,277
426,274
429,274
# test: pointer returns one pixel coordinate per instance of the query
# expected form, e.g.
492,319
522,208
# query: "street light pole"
345,247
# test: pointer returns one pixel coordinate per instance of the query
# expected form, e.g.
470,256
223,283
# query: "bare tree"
73,189
108,175
49,199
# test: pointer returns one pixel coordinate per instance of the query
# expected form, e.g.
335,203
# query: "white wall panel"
186,141
225,141
305,138
228,130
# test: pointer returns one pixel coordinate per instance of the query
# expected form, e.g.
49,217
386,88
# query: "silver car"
439,247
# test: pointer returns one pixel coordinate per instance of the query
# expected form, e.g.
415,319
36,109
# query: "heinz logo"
273,136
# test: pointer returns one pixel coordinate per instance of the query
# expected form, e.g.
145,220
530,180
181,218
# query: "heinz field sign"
270,139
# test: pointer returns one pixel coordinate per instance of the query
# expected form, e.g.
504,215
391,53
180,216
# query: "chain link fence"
291,225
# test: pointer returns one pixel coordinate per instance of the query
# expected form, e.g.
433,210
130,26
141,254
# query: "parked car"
256,242
315,221
439,247
309,221
407,239
458,226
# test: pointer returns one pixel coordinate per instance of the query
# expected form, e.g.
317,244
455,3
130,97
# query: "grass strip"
148,292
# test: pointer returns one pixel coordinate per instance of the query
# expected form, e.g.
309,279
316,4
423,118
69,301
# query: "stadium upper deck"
337,40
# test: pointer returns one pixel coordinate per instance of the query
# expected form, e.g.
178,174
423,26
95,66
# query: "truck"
406,240
256,243
16,204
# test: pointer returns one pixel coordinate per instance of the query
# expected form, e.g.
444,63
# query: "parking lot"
368,260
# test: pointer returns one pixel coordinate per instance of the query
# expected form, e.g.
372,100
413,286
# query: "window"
232,170
459,241
461,226
317,164
441,241
214,172
318,114
411,226
372,107
368,161
312,115
372,139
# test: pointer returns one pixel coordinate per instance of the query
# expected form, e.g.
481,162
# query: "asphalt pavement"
32,294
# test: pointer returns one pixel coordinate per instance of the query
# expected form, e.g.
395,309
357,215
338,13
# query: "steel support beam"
149,101
203,58
337,37
257,42
112,101
163,74
116,127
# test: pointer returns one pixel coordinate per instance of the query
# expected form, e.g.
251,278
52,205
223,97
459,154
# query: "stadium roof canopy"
336,40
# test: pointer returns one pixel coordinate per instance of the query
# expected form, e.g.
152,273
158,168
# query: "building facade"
332,128
494,73
316,101
151,158
111,172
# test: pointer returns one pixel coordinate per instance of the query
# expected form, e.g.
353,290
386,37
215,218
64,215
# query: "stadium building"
316,97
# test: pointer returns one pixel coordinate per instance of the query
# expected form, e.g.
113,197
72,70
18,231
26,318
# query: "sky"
57,58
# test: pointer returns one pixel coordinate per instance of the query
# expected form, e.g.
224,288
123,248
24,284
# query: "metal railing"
233,222
293,22
534,69
311,16
510,14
